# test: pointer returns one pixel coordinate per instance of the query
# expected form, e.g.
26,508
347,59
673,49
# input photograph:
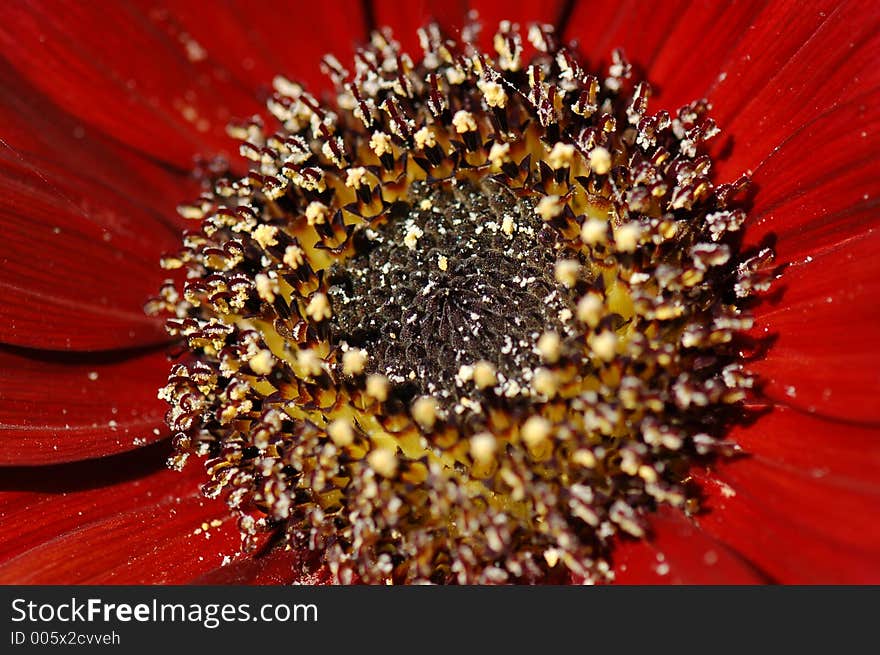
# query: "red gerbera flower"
103,112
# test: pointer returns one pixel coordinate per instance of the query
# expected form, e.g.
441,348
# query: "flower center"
465,278
469,324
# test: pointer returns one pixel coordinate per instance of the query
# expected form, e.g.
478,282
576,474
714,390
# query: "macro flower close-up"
454,293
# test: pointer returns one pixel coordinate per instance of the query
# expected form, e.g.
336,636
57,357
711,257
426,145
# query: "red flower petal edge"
117,521
824,358
802,503
679,552
65,407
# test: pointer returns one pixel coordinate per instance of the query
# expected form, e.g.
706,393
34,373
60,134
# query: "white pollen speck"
549,207
294,256
464,122
425,138
265,287
494,93
356,177
442,263
499,153
380,143
412,237
545,382
455,75
424,411
316,213
535,431
561,156
354,361
507,225
341,432
309,361
584,457
262,362
626,237
550,347
194,51
593,231
604,345
567,272
265,235
600,160
93,375
482,447
319,307
377,387
383,461
791,392
485,374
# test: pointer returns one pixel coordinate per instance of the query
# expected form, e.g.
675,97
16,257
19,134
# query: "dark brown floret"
447,286
466,324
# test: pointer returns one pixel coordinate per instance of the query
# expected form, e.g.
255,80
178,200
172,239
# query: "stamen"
469,324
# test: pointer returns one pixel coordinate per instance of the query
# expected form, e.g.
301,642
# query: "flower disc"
468,321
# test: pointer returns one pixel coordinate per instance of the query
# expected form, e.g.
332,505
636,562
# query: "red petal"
518,11
167,84
798,64
600,27
404,18
802,504
825,359
678,552
61,408
110,67
681,45
78,260
141,526
819,187
775,540
277,567
30,496
248,46
693,51
38,131
819,451
90,206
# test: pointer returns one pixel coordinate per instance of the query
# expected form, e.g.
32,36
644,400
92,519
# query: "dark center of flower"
464,278
471,323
